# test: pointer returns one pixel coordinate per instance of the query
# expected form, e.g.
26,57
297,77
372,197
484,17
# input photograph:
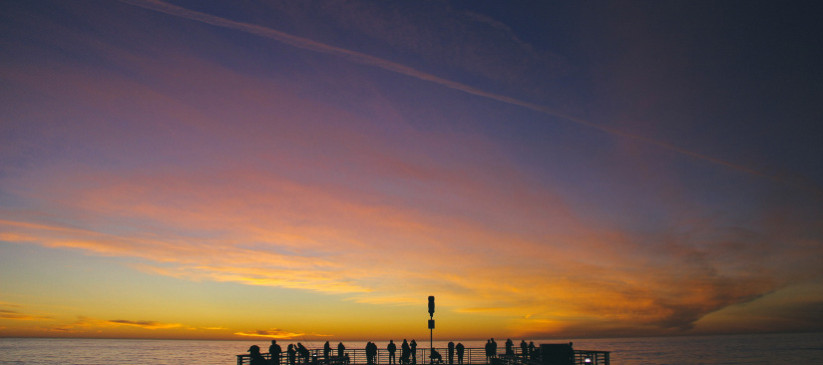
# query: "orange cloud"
151,325
9,314
91,325
479,268
272,333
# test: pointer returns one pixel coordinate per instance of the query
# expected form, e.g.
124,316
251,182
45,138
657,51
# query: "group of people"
408,352
294,354
459,348
299,354
371,353
460,351
527,351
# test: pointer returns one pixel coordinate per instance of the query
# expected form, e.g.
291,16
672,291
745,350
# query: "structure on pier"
547,354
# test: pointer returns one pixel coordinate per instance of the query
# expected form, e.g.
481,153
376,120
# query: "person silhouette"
524,350
291,352
255,358
532,350
451,353
274,352
488,350
509,348
368,354
340,350
391,348
306,354
460,348
326,351
436,358
405,352
302,353
413,346
493,348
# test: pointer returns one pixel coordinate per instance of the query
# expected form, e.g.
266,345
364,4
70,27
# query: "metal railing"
471,356
591,357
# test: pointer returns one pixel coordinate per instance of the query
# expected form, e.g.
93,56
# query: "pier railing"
471,356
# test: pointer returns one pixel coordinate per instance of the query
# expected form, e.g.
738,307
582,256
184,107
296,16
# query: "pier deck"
471,356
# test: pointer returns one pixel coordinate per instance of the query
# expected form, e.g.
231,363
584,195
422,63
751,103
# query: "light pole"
431,329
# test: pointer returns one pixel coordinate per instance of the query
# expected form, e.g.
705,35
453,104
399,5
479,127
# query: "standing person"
391,348
451,353
274,352
255,358
524,350
326,351
494,348
532,351
405,352
302,353
509,348
368,353
290,351
460,350
413,346
488,350
340,350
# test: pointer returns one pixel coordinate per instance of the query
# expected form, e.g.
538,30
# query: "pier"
545,354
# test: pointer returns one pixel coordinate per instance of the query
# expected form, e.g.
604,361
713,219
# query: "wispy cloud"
671,287
526,255
272,333
366,59
15,315
150,325
85,324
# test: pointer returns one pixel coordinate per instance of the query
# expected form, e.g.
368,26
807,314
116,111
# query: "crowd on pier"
300,355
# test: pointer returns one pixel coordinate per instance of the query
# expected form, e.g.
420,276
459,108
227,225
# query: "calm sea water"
736,349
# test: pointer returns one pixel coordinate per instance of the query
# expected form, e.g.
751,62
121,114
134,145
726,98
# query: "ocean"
725,349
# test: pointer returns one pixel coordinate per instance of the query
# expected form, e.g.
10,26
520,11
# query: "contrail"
365,59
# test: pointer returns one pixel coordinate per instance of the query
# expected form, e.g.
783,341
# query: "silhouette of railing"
471,356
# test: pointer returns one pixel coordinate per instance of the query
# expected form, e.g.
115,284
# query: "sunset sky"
315,169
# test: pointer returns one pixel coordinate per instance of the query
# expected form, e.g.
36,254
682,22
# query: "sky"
315,170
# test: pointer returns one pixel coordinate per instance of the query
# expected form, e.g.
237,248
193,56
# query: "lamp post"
431,329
